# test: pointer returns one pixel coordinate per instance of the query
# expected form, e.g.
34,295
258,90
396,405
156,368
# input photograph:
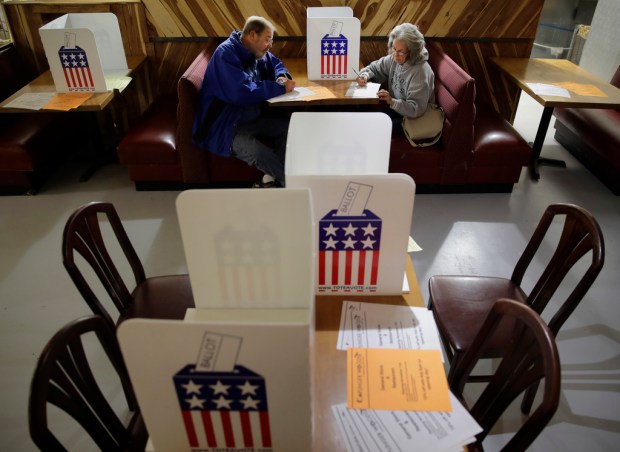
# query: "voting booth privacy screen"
337,143
82,49
333,43
361,231
232,383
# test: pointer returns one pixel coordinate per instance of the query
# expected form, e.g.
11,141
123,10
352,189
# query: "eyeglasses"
399,52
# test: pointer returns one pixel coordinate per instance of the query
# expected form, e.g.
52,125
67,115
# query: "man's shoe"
266,184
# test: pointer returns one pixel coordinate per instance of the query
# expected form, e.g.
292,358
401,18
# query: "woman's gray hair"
413,39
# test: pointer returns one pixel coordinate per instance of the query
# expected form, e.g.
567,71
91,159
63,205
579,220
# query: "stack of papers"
397,391
383,430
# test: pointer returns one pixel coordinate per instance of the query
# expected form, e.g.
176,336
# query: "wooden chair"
530,357
461,303
63,377
162,297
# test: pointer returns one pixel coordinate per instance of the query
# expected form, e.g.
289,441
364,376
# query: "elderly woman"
411,81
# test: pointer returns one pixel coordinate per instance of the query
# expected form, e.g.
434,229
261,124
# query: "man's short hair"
257,24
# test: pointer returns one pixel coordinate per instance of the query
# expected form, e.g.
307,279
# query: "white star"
368,243
333,44
72,56
192,388
349,243
330,243
82,63
326,52
66,64
342,51
64,56
221,402
74,64
333,51
249,402
325,44
330,230
248,388
195,402
349,230
369,230
219,388
342,44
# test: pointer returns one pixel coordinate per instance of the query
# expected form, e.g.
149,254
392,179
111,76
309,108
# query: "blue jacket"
234,80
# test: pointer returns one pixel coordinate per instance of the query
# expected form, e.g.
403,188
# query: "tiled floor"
474,234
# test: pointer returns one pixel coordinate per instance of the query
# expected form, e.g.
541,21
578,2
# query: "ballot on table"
333,43
81,49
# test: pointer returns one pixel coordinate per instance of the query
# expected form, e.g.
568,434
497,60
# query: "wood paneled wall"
172,32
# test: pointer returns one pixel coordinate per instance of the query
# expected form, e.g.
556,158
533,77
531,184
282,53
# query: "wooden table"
298,69
522,71
329,364
107,120
44,83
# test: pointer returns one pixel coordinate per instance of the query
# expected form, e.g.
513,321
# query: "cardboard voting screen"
335,143
232,383
333,43
81,49
361,231
248,248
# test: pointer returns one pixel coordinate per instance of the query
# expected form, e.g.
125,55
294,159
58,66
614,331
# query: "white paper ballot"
383,430
369,91
369,325
297,94
545,89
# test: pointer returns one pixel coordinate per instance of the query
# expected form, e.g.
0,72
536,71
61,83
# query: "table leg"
536,159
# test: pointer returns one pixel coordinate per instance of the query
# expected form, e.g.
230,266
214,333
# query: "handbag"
425,130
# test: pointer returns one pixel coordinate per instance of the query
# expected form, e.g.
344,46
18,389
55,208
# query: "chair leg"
528,398
455,362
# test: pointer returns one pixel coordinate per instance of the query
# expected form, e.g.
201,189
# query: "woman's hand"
385,96
362,79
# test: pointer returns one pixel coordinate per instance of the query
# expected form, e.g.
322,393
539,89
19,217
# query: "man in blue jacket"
241,74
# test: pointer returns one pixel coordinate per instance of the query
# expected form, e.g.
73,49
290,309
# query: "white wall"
601,52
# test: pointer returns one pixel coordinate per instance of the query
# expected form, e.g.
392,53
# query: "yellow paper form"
397,380
66,101
582,89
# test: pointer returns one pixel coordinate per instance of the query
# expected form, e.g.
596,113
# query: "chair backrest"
83,235
531,358
581,235
63,378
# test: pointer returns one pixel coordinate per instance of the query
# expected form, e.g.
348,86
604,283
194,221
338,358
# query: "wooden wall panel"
172,32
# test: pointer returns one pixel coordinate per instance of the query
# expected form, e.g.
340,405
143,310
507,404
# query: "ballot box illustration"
333,45
223,408
233,380
81,49
362,230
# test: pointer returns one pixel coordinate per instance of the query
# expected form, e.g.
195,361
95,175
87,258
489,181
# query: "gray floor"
473,234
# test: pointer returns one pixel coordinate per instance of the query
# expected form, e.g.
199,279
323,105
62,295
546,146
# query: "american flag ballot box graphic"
81,49
349,248
76,69
334,56
224,410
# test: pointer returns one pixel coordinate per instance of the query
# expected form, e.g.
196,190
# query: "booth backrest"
455,91
193,160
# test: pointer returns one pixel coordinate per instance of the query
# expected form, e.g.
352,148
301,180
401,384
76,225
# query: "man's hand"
289,85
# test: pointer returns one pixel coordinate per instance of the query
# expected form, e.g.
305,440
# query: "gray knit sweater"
412,86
